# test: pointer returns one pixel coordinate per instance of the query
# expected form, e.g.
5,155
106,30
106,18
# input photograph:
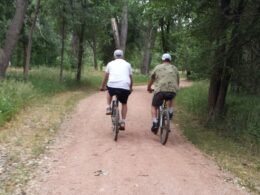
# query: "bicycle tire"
165,128
115,121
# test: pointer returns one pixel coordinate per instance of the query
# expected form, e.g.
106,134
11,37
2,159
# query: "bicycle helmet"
166,56
118,54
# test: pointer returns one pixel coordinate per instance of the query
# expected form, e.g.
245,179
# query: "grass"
140,79
16,94
230,141
26,138
13,96
31,113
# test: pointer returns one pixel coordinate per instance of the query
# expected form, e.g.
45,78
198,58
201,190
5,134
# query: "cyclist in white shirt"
118,80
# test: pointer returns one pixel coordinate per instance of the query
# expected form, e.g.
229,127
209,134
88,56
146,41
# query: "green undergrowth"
25,139
38,108
43,82
140,79
13,96
233,140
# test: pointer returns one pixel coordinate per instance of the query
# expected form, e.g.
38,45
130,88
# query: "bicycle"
115,117
164,123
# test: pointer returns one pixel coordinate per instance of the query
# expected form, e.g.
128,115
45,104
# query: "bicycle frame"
162,108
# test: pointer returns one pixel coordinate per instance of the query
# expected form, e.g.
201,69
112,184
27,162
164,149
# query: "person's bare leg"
109,99
124,111
170,107
170,103
154,113
154,127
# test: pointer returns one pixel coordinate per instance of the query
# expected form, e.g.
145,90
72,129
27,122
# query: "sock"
155,120
170,110
122,120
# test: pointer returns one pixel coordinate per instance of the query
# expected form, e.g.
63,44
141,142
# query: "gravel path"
85,159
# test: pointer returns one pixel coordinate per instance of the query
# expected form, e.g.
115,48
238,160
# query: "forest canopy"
215,40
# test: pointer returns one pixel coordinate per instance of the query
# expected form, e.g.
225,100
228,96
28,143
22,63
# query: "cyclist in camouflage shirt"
165,78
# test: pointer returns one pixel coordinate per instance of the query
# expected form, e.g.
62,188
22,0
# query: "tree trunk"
24,54
120,40
62,45
95,52
18,55
12,36
219,61
222,71
148,45
124,27
164,34
80,52
221,99
29,47
215,81
115,32
75,43
24,43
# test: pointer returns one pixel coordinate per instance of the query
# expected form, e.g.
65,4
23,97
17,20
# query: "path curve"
85,160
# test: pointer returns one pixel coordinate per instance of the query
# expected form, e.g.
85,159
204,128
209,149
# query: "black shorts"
122,94
160,96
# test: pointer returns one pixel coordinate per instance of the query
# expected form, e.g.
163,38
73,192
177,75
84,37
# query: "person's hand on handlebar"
102,88
150,90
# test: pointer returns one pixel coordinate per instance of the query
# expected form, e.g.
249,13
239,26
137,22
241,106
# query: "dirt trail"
85,160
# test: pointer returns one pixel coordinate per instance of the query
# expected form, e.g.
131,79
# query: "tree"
228,53
124,26
63,36
120,35
12,36
29,46
148,45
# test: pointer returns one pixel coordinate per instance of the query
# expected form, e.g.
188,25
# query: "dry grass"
230,156
25,138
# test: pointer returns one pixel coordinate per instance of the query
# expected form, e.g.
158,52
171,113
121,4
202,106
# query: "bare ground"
85,159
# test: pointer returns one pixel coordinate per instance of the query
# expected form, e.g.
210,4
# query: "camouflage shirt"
166,78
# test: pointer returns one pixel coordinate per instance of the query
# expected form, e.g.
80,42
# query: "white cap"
166,56
118,53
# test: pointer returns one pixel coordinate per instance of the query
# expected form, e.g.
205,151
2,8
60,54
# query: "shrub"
240,122
13,96
194,99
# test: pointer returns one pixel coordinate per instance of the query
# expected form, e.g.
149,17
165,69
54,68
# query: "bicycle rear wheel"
165,128
115,121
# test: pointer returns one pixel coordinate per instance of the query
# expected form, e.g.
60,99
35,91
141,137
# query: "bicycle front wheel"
165,128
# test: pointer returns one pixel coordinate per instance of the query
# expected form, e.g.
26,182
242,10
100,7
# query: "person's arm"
104,82
131,82
150,83
131,77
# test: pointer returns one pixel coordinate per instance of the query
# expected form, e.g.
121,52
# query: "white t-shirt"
119,72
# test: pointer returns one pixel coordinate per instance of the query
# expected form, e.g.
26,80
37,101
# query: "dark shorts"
122,94
159,97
